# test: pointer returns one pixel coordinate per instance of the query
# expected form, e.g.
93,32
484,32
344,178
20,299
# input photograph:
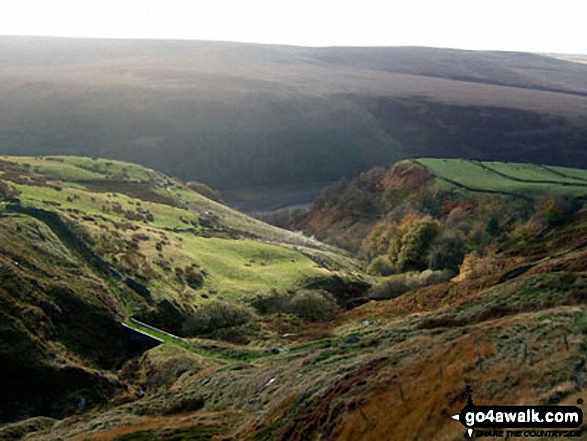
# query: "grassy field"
247,267
527,180
155,228
72,168
537,173
79,176
580,174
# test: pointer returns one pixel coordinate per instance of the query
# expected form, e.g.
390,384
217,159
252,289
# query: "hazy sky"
521,25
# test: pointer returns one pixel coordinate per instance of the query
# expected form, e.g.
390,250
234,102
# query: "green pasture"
241,268
481,176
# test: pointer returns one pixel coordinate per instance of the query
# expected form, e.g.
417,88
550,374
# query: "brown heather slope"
505,337
59,336
394,370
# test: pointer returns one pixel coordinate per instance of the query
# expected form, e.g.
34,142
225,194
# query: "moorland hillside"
242,115
257,333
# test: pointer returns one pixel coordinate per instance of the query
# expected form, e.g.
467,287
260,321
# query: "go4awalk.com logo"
526,421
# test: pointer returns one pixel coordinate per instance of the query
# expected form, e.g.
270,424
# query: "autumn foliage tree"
408,248
552,210
446,252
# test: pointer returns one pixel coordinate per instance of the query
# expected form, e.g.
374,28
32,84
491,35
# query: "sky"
512,25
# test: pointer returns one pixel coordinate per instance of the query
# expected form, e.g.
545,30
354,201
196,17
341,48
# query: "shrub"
330,196
493,228
478,234
553,210
313,306
357,202
310,305
215,315
194,277
238,335
408,247
399,284
273,302
378,238
391,287
446,252
430,277
475,266
381,266
527,231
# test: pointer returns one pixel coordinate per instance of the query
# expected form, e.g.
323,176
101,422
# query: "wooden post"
566,341
579,372
441,373
362,412
401,389
479,362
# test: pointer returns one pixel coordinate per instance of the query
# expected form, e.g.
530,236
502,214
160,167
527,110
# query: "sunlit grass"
243,268
533,172
474,176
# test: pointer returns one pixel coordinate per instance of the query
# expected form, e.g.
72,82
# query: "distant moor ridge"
239,115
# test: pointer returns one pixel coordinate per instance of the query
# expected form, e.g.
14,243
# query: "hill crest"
237,116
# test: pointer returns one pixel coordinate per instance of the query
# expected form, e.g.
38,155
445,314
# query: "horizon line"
198,40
